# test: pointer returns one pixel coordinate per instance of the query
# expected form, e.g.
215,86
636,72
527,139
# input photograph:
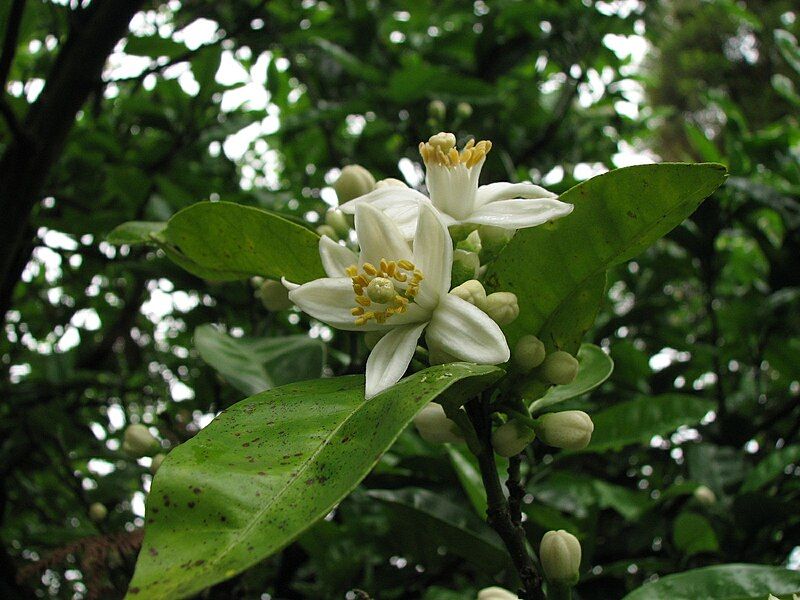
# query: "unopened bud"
493,240
327,230
502,307
336,220
472,291
570,429
98,512
528,353
437,110
496,593
157,460
704,495
560,368
256,281
472,243
434,426
274,296
464,110
511,438
560,554
138,441
390,182
354,181
465,266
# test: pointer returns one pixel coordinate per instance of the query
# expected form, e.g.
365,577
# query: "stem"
515,489
559,591
498,511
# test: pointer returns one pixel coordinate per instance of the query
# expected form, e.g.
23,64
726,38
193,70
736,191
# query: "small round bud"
560,368
443,141
704,495
274,296
472,291
502,307
496,593
465,266
336,220
472,243
327,230
157,460
256,281
390,182
434,426
464,110
511,438
528,353
437,110
570,429
381,290
138,441
560,554
98,512
354,181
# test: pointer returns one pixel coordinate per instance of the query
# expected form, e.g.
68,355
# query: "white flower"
452,181
393,289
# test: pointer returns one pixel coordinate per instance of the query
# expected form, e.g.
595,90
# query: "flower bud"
570,429
560,555
138,441
502,307
336,220
704,495
465,266
437,110
493,240
354,181
256,281
496,593
157,460
472,291
274,296
98,512
464,110
390,182
511,438
472,243
528,353
560,368
434,426
327,230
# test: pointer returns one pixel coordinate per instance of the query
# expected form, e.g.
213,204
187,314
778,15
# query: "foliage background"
260,103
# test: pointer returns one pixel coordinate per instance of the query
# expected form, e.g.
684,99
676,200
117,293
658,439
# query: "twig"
515,490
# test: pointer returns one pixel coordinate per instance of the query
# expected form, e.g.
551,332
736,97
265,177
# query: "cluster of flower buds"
557,368
502,307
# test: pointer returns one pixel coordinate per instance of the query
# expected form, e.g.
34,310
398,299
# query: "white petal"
508,191
389,359
467,332
433,255
400,204
378,236
519,213
335,257
289,285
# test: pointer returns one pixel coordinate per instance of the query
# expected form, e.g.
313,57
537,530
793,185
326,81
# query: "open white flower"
452,180
400,292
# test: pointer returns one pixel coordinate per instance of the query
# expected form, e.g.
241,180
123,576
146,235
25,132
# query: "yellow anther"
351,271
401,277
363,300
391,269
370,269
469,144
358,310
441,150
406,264
375,287
358,289
360,280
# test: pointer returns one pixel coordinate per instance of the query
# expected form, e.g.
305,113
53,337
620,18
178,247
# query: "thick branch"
10,41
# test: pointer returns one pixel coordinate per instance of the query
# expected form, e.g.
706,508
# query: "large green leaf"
268,467
617,215
255,365
693,534
137,232
722,582
637,421
466,467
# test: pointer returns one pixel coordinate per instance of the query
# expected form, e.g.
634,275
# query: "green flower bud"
528,353
493,240
465,266
274,296
336,220
437,110
560,368
472,243
511,438
570,429
560,555
327,230
464,110
354,181
704,495
502,307
390,182
138,442
434,426
98,512
496,593
472,291
157,460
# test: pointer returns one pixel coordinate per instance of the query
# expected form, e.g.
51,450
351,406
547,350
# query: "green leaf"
787,44
462,532
771,467
595,367
468,472
616,216
637,421
266,469
137,232
255,365
693,534
721,582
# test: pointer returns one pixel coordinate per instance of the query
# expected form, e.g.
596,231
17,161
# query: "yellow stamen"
440,149
373,287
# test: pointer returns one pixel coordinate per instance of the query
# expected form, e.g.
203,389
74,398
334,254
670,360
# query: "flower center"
383,291
441,150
